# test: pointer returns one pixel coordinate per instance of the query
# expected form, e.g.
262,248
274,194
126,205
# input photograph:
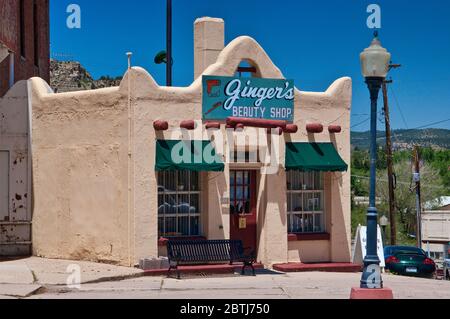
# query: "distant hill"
66,76
406,139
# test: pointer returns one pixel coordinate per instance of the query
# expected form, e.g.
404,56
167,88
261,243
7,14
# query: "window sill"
308,237
163,241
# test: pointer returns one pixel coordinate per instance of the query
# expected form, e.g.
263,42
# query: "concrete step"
326,267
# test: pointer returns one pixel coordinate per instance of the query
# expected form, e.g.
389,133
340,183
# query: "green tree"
405,198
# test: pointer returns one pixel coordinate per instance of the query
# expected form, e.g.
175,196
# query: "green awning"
197,156
314,157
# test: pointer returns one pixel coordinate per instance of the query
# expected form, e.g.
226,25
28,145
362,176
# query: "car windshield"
407,250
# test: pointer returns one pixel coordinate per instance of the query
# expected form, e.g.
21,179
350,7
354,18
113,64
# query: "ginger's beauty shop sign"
270,99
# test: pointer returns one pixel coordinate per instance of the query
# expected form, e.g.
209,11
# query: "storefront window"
178,203
305,202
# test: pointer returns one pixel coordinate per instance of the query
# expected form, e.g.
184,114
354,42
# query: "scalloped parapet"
243,48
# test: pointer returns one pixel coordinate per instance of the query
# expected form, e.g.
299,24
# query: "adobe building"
24,41
118,171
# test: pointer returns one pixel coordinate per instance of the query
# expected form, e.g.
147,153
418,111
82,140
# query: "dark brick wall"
25,66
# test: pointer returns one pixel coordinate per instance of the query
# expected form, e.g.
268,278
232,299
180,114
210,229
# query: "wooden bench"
197,252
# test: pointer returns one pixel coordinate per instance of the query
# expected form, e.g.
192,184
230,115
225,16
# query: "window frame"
306,213
174,194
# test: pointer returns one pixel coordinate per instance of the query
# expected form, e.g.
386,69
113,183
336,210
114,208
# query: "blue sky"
312,42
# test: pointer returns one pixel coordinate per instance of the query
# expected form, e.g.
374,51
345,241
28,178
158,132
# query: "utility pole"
390,168
416,180
390,160
169,44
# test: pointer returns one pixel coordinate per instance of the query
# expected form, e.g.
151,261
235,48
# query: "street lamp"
375,66
384,221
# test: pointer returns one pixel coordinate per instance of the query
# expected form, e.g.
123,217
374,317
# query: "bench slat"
204,251
191,252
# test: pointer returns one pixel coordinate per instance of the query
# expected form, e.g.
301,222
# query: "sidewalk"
39,278
266,285
24,277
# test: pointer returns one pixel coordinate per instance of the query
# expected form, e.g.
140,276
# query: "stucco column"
209,41
340,217
218,205
145,182
273,242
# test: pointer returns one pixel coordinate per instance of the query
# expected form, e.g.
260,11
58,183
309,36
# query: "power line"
432,124
399,107
380,113
361,123
361,114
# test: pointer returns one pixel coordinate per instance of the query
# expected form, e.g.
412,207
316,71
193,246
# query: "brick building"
24,53
24,41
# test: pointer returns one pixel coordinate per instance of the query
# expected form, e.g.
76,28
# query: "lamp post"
169,44
384,221
166,55
375,66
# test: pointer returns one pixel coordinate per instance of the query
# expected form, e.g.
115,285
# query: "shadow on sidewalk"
6,259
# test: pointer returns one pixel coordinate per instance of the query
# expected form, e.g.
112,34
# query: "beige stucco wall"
313,251
79,149
95,188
